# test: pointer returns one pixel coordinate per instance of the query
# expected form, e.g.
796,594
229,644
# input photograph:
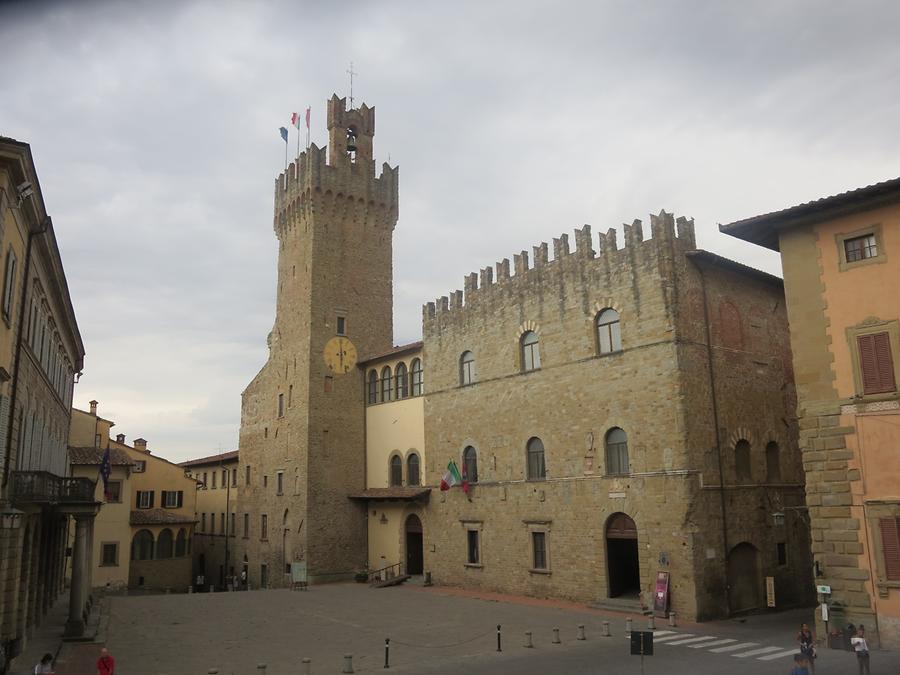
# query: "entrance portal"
743,578
622,564
415,559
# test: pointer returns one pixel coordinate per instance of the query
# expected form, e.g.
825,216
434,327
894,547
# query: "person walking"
808,646
861,647
45,667
106,664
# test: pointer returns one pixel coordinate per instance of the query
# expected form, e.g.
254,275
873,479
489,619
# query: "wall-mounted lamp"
11,519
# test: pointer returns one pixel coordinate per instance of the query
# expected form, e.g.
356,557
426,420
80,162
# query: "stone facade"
301,419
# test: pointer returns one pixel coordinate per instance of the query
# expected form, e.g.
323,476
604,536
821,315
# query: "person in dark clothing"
808,646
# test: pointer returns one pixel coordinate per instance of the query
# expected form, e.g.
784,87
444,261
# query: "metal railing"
386,573
43,487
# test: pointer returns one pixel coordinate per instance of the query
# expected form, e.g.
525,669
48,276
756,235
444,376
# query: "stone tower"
302,439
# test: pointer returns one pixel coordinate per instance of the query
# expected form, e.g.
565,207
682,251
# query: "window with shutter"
890,545
876,363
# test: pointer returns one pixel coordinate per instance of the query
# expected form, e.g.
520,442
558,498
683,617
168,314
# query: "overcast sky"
154,127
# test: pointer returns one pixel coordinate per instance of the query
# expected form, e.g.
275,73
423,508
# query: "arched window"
396,477
609,334
470,464
373,387
466,369
742,461
531,351
417,378
400,376
164,544
386,384
142,545
617,453
412,469
536,467
181,543
773,463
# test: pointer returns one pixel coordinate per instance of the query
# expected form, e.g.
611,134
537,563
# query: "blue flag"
283,133
105,470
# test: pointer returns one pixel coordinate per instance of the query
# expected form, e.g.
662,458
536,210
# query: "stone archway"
744,583
622,564
415,555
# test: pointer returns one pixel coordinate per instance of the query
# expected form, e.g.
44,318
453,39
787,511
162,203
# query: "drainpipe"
41,229
715,415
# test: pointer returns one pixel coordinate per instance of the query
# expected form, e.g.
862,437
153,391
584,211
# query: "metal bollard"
651,622
348,663
499,648
528,643
556,639
628,626
261,668
580,635
307,666
672,619
606,632
387,652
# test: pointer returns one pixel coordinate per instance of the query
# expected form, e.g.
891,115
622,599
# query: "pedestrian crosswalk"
720,645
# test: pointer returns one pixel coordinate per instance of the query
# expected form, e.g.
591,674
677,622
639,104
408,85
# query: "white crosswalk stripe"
731,648
723,641
705,638
676,636
778,655
757,652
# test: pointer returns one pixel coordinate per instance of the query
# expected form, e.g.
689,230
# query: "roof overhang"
403,494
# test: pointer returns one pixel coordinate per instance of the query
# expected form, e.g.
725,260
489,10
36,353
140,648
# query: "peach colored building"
841,259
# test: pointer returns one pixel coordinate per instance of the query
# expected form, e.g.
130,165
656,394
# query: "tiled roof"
763,229
95,456
404,493
212,459
401,349
159,517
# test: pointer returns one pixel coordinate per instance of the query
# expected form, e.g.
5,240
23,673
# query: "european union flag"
283,133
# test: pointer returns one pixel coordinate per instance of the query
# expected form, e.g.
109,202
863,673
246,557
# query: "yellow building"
841,259
395,460
213,547
142,536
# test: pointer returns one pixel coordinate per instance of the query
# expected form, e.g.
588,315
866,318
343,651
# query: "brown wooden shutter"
137,501
890,544
876,363
180,498
151,498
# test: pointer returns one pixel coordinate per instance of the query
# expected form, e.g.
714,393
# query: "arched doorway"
622,564
415,558
743,578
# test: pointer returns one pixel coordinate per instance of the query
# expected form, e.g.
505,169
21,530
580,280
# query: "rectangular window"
247,478
224,477
265,481
539,550
341,326
145,499
290,395
474,549
214,480
264,527
222,523
170,499
109,556
280,482
234,478
9,282
876,363
231,524
246,525
203,522
890,546
781,550
139,466
114,492
205,483
281,405
860,248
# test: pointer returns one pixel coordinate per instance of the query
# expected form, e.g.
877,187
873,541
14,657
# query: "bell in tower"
350,135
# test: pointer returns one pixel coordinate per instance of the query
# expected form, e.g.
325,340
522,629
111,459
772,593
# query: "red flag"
307,118
295,120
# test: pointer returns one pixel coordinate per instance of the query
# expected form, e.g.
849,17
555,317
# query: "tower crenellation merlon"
339,175
665,237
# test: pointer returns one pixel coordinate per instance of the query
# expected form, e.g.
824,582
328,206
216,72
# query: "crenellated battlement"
342,183
668,236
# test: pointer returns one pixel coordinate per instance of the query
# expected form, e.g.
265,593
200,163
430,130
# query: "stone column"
80,575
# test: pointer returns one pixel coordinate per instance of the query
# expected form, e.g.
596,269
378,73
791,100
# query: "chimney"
120,438
93,407
140,444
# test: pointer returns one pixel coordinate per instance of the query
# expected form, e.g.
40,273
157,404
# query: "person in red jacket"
106,664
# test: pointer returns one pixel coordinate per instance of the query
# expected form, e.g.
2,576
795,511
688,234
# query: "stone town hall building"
619,411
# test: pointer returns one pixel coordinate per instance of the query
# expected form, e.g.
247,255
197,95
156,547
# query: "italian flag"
453,477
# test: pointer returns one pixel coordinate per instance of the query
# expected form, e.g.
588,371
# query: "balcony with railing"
43,487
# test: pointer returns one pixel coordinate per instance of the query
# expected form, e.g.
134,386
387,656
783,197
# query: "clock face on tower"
340,355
